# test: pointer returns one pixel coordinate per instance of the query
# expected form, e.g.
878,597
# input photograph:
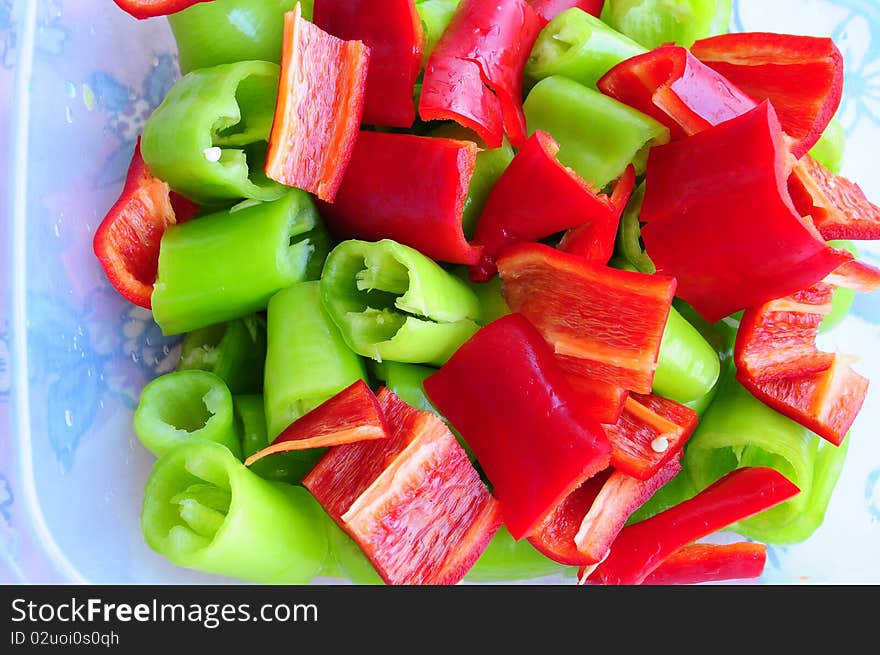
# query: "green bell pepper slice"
227,31
227,265
493,305
185,406
829,149
507,559
307,360
580,47
390,302
209,136
235,351
435,15
204,510
629,234
406,381
598,136
655,22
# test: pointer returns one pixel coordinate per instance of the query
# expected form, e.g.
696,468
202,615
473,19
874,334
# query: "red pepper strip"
534,198
651,432
838,207
127,240
474,75
506,395
699,563
603,324
642,547
414,503
319,107
595,240
855,275
720,220
619,498
550,9
393,31
382,198
801,75
826,402
142,9
350,416
777,340
674,87
603,401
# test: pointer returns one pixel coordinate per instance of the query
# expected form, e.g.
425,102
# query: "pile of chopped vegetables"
490,290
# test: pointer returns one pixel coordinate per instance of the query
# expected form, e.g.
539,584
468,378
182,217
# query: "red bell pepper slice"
837,206
642,547
414,503
534,198
319,107
506,395
651,432
826,402
474,75
393,31
142,9
603,401
595,240
382,197
350,416
699,563
126,242
603,323
801,75
550,9
855,275
719,218
674,87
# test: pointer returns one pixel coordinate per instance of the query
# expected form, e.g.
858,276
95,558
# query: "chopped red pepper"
640,548
414,503
380,198
855,275
699,563
550,9
801,75
674,87
393,31
720,220
350,416
595,240
651,431
603,401
474,75
837,206
126,242
142,9
506,395
319,107
603,323
534,198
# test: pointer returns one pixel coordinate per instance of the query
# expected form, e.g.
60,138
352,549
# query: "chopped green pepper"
831,146
235,351
507,559
655,22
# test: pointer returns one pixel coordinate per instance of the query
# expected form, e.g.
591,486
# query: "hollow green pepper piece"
506,559
250,423
208,138
629,234
350,560
391,302
235,351
655,22
185,406
205,510
598,136
830,148
580,47
405,380
227,31
492,302
435,15
841,299
307,360
227,265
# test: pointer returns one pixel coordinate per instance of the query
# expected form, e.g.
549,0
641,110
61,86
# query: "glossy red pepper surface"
141,9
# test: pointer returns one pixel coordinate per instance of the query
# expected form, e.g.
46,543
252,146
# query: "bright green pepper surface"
234,351
655,22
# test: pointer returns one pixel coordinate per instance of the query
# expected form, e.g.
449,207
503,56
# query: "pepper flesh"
700,563
656,22
319,108
141,9
550,9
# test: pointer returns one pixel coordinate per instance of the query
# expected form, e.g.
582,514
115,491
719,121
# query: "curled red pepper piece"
381,198
142,9
603,324
550,9
855,275
474,75
642,547
350,416
720,220
506,395
126,242
413,502
319,107
699,563
801,75
393,32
